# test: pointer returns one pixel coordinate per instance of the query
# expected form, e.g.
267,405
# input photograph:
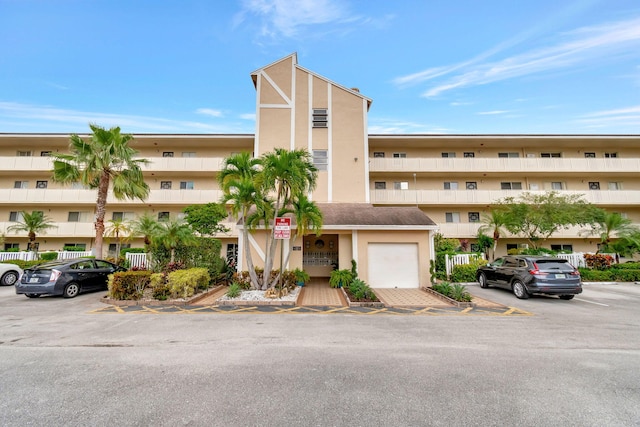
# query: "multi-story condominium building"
383,196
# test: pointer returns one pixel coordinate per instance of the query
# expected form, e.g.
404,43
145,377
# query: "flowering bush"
598,261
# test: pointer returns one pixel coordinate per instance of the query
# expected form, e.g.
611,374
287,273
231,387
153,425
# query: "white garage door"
393,265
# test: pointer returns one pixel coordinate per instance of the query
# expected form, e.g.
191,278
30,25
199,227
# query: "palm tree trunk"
101,203
255,284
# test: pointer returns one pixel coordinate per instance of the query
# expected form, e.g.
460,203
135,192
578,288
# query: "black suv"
526,275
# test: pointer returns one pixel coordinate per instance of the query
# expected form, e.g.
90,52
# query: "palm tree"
612,225
494,223
307,217
291,174
173,233
106,161
120,230
33,223
237,181
145,226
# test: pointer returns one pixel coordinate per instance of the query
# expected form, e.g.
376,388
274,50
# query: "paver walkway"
318,293
392,297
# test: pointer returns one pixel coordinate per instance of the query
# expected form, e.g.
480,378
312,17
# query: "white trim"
432,246
310,122
354,246
239,261
256,138
331,111
276,87
328,228
292,137
365,157
330,82
257,247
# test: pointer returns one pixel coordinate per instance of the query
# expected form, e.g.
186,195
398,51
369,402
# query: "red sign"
282,228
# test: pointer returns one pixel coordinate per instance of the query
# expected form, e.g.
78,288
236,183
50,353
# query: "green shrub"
10,250
625,275
627,266
234,290
358,290
73,249
340,278
185,283
48,256
466,272
23,264
160,287
456,292
128,285
125,251
589,275
443,288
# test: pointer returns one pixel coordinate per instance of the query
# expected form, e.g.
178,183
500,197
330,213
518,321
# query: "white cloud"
289,17
584,45
392,126
17,117
613,118
248,116
492,113
209,112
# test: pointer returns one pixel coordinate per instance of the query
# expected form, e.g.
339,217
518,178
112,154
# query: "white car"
9,274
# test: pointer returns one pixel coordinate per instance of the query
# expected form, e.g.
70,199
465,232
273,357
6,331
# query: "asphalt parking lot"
570,363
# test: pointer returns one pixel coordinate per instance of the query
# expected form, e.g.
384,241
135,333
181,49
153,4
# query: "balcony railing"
78,197
488,197
468,230
506,165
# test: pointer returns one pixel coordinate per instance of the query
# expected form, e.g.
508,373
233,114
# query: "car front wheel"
71,290
9,278
567,297
482,279
519,290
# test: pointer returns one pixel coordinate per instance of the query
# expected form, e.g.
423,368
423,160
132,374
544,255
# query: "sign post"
282,231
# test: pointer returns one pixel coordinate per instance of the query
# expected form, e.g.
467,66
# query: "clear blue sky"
438,66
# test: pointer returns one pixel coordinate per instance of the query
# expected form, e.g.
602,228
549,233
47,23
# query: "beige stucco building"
383,196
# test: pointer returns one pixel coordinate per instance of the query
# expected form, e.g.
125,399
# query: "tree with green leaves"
120,230
617,233
205,219
173,233
493,223
259,190
145,226
537,216
35,222
106,161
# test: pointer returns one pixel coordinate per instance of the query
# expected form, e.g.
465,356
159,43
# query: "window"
564,248
557,186
8,246
165,185
615,186
475,247
471,185
511,186
113,247
378,154
15,216
401,185
186,185
163,216
474,216
21,184
448,155
73,217
380,185
23,154
452,217
78,186
511,246
469,154
188,154
610,155
122,216
450,185
320,117
590,155
232,253
505,155
320,159
76,246
594,185
399,155
550,154
45,154
41,184
167,154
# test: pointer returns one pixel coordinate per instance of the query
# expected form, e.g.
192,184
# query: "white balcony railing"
469,230
487,197
506,165
78,197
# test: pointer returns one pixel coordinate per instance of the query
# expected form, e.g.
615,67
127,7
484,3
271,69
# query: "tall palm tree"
146,227
613,225
33,223
120,230
173,233
494,223
307,217
106,161
291,174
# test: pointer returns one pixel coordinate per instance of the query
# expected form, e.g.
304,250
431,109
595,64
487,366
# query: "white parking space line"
591,302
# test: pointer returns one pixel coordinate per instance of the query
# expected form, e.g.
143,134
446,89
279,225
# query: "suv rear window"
554,264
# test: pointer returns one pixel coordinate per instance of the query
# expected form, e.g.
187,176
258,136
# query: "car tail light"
575,273
54,275
535,271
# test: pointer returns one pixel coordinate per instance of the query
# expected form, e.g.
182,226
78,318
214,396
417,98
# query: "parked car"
9,274
66,277
527,275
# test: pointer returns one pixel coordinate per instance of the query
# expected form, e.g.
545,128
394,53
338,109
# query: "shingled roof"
364,214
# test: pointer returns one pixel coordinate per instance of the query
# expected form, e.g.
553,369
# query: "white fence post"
137,260
458,259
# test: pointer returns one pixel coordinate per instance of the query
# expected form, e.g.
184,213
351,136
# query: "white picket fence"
577,258
137,260
30,256
459,259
